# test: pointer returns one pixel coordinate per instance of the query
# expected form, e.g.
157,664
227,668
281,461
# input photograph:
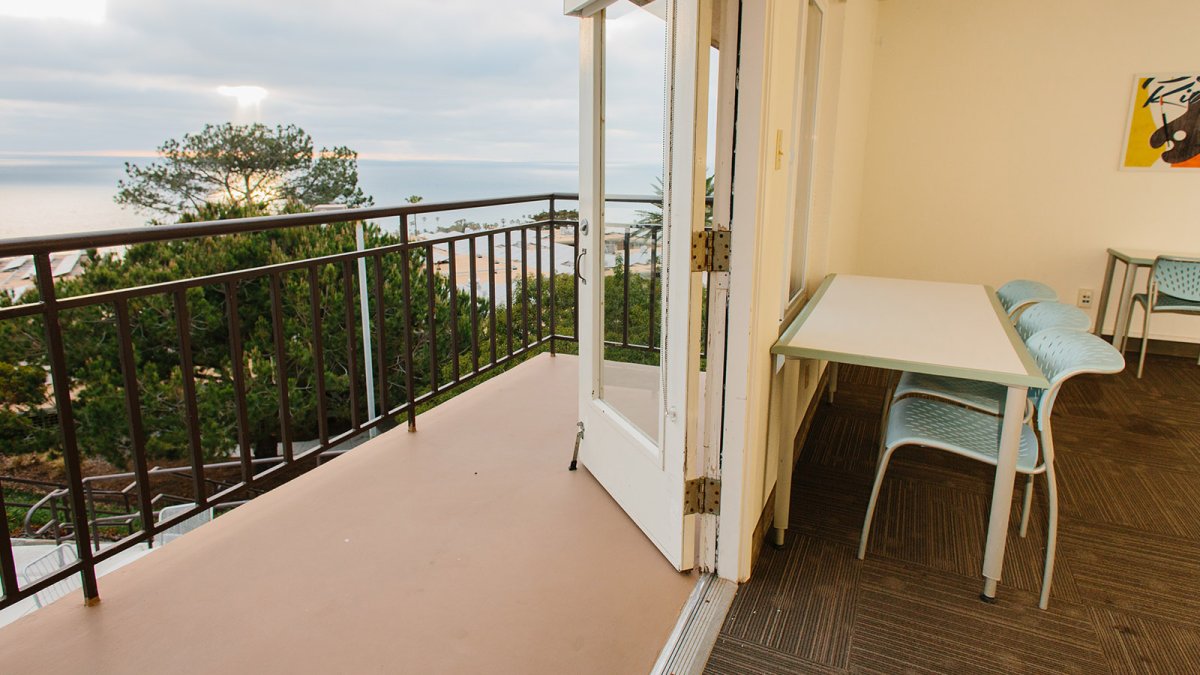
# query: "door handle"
582,252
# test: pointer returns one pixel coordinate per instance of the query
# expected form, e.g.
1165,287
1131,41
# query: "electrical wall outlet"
1085,298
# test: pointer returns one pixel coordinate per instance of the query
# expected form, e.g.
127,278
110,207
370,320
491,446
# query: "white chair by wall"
48,564
181,528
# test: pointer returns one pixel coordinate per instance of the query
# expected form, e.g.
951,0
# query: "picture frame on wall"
1162,131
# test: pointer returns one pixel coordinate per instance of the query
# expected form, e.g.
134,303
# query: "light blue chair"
1061,353
988,396
1019,293
1046,315
1174,287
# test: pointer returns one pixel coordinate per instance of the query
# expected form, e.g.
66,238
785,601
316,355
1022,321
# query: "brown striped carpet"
1126,596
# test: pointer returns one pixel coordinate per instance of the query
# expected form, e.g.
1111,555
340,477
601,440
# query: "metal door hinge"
710,251
702,495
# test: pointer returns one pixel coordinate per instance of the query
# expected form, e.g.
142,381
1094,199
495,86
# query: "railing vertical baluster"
133,410
452,270
625,303
237,359
524,287
66,425
91,507
538,287
318,352
380,337
351,343
492,292
431,287
653,276
474,307
406,283
183,325
508,296
8,563
281,379
553,280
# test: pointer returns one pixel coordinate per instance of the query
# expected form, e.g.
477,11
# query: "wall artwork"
1164,123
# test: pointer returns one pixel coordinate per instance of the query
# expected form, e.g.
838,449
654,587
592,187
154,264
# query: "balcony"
466,545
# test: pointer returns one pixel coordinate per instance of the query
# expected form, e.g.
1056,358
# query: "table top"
1144,257
957,330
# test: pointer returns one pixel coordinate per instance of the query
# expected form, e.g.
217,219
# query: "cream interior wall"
763,228
843,105
995,133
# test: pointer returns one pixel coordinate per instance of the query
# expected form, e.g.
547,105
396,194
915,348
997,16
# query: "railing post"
8,567
406,282
553,280
66,426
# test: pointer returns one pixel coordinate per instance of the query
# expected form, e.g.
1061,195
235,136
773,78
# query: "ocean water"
56,195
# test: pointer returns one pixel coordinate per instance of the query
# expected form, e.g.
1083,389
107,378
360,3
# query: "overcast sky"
392,79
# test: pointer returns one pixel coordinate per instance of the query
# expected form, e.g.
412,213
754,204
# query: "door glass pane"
631,293
809,67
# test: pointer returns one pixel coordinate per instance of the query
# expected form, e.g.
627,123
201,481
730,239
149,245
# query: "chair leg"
1051,534
885,413
1145,340
1125,333
866,531
1028,503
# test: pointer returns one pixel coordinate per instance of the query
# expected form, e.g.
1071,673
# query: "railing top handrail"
138,235
76,241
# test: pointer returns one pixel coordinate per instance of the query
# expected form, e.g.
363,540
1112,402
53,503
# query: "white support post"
364,310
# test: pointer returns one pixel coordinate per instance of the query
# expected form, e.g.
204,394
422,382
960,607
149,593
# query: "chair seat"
1170,303
970,433
985,396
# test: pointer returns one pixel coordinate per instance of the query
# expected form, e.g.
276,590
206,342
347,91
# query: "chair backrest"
1044,315
1178,277
1020,292
183,527
44,566
1063,353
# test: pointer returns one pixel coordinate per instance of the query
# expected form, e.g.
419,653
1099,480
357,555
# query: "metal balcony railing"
405,357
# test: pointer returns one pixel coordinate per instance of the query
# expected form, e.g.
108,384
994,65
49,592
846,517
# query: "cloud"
420,78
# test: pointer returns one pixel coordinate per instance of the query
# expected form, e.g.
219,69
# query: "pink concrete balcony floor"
465,547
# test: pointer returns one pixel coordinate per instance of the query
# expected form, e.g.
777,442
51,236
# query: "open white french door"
639,404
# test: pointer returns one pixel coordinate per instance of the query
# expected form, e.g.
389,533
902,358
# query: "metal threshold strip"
692,640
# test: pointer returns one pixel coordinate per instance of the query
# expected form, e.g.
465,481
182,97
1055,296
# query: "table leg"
1002,490
783,406
1105,292
783,489
1123,307
833,379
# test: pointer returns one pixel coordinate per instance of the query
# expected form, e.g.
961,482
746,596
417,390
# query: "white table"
959,330
1133,259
